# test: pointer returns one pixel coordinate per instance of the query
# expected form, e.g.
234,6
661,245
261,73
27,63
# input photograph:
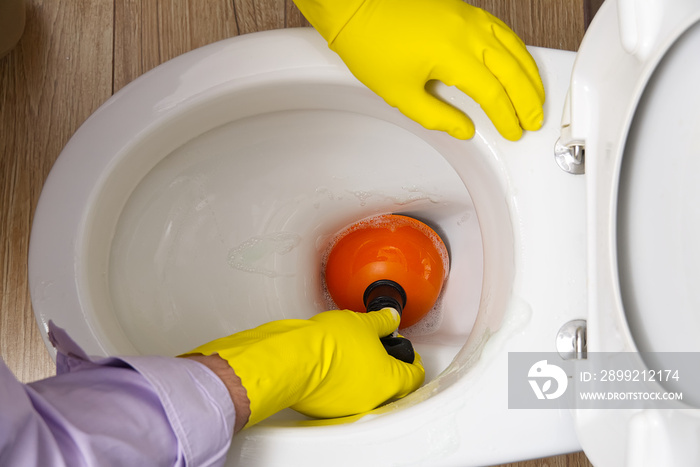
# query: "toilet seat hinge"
571,340
570,158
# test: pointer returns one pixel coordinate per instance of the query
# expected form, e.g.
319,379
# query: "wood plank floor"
75,54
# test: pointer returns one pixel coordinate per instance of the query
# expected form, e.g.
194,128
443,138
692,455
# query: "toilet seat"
633,105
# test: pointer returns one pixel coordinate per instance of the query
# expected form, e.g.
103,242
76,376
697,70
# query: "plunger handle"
388,294
400,348
384,293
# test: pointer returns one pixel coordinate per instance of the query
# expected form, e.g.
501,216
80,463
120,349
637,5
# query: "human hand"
330,365
396,46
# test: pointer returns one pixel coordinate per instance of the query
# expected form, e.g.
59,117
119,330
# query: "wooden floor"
75,54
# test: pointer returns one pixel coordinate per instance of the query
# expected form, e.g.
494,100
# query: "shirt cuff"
195,400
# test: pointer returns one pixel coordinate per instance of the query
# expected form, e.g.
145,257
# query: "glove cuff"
329,17
273,370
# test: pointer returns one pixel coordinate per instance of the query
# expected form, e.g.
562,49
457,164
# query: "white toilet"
201,198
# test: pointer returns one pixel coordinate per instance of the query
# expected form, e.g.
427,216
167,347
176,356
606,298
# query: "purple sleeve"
117,411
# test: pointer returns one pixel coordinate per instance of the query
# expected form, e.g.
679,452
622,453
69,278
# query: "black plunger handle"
400,348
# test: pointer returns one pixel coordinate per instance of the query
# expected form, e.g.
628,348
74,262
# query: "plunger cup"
388,249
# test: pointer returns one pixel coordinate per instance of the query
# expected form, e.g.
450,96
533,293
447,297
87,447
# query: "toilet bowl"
201,198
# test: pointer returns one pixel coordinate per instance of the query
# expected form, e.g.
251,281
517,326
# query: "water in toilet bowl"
228,231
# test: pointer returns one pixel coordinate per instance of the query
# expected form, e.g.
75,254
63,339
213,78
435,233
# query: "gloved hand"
330,365
395,47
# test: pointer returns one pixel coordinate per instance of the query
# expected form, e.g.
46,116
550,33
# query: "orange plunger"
384,261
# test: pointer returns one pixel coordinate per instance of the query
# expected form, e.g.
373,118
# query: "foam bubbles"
255,253
429,324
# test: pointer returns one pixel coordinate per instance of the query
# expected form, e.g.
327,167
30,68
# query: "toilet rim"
57,272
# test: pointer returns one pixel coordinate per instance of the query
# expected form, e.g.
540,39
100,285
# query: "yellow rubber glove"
331,365
395,47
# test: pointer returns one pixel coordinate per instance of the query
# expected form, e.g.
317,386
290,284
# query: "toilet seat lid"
634,100
636,113
658,213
